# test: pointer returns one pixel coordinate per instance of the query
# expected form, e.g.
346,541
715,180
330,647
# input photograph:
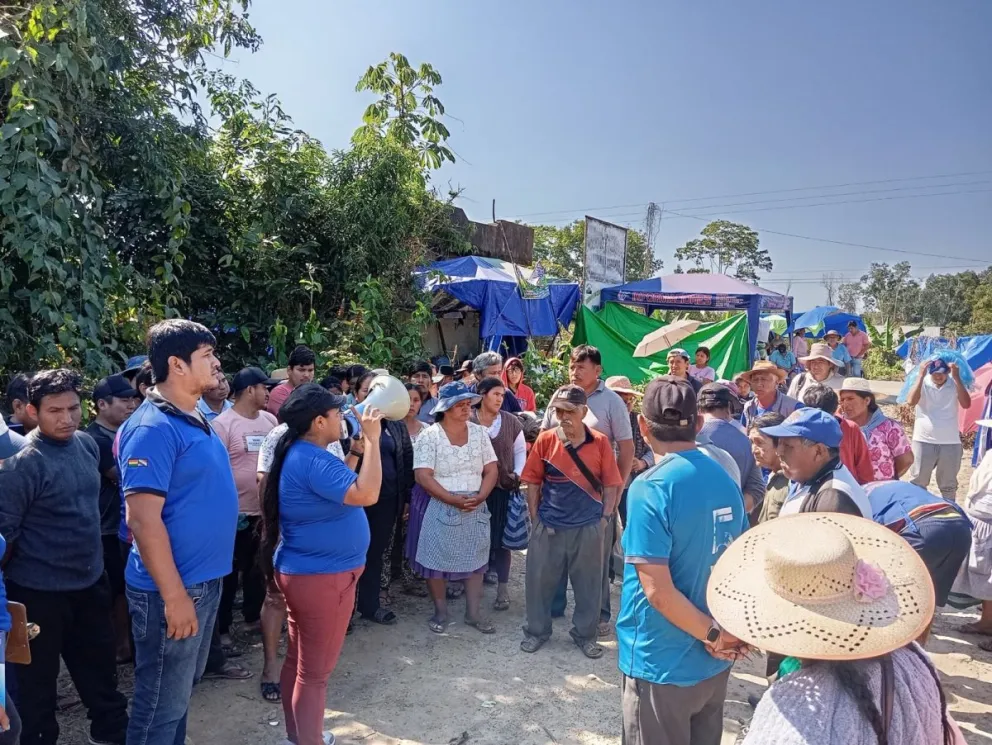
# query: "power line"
847,243
759,193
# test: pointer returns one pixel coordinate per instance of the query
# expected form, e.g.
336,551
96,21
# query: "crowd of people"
191,494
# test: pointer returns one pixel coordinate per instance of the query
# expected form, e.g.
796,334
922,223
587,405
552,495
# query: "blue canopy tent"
831,317
510,309
702,292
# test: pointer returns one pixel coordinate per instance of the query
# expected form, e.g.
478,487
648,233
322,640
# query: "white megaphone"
389,396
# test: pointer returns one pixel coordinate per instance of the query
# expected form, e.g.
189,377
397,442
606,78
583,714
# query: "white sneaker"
328,739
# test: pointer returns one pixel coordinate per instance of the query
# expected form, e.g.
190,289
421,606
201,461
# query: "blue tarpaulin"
976,349
832,318
490,287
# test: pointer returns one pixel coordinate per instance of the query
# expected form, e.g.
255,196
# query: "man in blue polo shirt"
182,508
681,516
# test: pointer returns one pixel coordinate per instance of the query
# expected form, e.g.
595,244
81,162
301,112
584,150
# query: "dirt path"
403,685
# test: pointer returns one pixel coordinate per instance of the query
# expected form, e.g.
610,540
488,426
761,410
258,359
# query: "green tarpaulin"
616,330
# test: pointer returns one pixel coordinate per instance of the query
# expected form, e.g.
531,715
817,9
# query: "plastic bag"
948,356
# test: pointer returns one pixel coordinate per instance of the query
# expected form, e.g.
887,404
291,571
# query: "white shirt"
843,481
803,381
267,453
458,468
937,414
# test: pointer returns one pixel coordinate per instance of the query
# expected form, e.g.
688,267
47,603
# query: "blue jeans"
856,368
166,669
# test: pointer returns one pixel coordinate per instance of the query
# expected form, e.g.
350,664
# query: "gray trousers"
945,459
655,714
551,552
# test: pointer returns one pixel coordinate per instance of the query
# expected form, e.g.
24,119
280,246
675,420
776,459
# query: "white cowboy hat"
822,352
822,586
858,385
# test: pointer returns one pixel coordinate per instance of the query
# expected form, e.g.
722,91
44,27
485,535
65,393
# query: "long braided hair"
851,676
304,404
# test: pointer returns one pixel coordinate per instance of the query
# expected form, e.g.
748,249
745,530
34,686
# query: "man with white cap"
821,367
840,351
936,439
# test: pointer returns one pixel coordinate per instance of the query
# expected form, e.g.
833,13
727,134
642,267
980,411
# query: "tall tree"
407,109
829,282
889,291
847,296
561,251
727,248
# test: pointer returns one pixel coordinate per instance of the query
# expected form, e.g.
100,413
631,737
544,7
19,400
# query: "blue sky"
563,108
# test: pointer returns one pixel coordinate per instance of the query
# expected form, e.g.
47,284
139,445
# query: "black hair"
17,388
487,384
821,397
585,352
331,381
872,404
358,381
144,377
341,372
419,389
421,366
670,433
763,421
355,375
302,356
175,337
304,404
704,350
52,382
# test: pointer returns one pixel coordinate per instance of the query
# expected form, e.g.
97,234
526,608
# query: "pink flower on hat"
870,582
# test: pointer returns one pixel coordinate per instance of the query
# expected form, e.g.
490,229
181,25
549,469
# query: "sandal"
490,578
590,649
502,604
437,626
271,692
603,629
483,626
382,616
454,590
228,671
531,644
975,629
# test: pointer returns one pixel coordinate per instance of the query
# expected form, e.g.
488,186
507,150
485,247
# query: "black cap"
569,398
307,402
249,376
670,401
115,386
715,396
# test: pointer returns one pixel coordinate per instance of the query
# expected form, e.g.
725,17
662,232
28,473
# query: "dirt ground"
403,685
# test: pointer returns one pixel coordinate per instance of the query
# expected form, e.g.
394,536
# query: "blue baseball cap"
813,424
939,366
134,364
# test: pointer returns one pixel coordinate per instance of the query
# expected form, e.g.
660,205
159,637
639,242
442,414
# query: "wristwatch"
713,635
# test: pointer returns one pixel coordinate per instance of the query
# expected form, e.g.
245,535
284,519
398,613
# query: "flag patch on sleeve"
137,462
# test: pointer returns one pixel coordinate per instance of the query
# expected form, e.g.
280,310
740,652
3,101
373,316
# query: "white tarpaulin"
605,259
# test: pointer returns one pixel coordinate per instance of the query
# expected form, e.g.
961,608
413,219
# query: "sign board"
605,259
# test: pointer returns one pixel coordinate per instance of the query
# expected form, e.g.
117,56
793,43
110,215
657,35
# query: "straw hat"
763,366
621,384
857,385
822,586
822,352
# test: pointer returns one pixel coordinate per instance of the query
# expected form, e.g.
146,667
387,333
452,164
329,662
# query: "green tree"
561,251
944,299
727,248
980,304
847,296
407,110
889,292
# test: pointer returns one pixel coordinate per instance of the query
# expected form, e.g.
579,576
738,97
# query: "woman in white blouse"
507,434
455,465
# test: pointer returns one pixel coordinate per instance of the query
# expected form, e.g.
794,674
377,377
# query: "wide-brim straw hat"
822,586
621,384
822,352
763,366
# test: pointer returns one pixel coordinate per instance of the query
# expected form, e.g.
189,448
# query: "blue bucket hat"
453,393
813,424
134,364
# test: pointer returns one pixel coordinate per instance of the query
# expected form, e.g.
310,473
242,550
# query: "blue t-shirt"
684,512
164,451
320,534
841,354
5,621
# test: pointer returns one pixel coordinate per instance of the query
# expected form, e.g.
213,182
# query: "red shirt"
278,396
854,452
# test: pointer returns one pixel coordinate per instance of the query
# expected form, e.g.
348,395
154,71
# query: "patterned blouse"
886,443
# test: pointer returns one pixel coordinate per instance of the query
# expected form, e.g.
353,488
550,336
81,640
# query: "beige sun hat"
621,384
858,385
822,586
822,352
